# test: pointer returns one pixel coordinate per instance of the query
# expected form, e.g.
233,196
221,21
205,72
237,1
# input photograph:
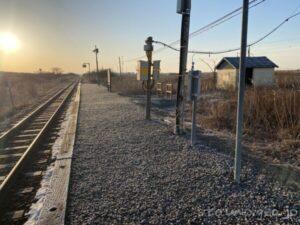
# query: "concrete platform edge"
55,204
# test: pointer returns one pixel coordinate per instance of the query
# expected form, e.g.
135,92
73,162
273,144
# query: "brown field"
20,90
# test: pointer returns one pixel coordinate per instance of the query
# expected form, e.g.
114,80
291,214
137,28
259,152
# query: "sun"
9,42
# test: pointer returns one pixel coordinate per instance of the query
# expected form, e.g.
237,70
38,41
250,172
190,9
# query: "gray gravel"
129,171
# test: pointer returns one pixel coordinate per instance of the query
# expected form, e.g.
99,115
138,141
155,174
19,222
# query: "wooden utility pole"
241,93
184,8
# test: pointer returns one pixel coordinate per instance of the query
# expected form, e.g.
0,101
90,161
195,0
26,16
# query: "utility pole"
241,93
149,49
96,51
184,8
120,66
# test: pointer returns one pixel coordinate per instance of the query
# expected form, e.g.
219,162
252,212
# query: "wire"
166,45
207,27
275,29
207,64
215,23
235,49
224,18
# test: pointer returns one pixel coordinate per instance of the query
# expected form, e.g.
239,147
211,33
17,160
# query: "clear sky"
62,33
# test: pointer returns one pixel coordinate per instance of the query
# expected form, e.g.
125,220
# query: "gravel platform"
129,171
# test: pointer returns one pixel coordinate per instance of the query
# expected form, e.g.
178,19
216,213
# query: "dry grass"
271,121
288,79
269,113
26,89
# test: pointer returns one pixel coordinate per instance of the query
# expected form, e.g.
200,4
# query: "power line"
217,22
275,29
207,27
235,49
224,18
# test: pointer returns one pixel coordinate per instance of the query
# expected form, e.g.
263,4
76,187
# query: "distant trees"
53,70
56,70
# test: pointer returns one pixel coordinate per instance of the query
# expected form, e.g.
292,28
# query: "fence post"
108,80
8,86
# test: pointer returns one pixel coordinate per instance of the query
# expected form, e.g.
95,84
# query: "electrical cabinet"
142,70
183,6
156,69
194,85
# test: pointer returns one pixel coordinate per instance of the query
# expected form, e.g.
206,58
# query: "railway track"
25,152
17,117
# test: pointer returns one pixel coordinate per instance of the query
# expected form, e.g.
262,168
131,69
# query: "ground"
126,170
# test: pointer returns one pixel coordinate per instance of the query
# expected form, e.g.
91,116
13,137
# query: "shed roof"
251,62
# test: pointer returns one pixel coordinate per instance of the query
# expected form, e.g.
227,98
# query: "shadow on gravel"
286,175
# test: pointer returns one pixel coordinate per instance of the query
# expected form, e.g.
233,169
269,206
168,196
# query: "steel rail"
17,169
9,133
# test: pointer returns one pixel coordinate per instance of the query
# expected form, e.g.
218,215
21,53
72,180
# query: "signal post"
148,72
150,82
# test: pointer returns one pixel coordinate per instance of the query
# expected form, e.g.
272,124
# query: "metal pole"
184,42
96,51
193,133
149,49
194,105
97,66
108,80
120,66
98,80
241,93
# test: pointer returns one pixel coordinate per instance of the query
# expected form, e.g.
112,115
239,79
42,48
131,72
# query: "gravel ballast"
126,170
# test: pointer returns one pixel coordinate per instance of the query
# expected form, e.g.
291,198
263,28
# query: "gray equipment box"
156,69
183,6
194,85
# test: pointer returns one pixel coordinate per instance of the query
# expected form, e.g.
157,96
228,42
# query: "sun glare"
8,42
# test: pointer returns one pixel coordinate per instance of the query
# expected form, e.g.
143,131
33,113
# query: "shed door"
249,77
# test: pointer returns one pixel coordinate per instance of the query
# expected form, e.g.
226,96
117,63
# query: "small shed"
259,72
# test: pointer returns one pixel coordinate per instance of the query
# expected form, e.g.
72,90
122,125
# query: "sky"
63,33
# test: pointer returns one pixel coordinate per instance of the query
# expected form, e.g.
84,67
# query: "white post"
108,80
